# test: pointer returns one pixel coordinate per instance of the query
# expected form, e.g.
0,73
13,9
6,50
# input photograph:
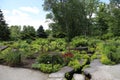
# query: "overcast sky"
25,12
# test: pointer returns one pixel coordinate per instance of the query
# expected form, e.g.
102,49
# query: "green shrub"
35,47
77,55
1,57
112,51
84,67
83,52
44,58
85,56
104,59
36,66
57,45
115,56
47,68
93,42
84,62
75,64
19,44
40,45
91,49
13,58
107,36
48,63
57,59
94,56
48,59
28,53
29,41
78,41
61,44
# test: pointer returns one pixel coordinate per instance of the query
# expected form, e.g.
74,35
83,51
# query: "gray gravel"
8,73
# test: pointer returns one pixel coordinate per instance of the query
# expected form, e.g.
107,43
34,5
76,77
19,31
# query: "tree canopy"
28,32
83,17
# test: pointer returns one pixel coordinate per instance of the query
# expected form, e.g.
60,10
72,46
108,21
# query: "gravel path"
8,73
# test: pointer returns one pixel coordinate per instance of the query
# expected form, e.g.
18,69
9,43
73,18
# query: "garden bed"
50,56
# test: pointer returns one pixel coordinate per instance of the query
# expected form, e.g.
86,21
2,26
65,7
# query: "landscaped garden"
83,38
50,55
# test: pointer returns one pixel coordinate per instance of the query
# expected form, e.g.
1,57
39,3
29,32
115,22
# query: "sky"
26,12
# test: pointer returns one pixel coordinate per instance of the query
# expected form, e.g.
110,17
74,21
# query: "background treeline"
71,18
16,32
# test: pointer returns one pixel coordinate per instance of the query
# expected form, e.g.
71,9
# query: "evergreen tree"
4,30
41,33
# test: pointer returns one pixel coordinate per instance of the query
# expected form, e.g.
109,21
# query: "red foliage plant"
68,55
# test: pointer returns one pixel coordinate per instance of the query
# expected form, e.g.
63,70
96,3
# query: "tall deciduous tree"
4,30
15,32
114,18
69,15
28,32
102,18
114,22
91,7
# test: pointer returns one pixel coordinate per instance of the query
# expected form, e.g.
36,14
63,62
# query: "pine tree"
41,33
4,30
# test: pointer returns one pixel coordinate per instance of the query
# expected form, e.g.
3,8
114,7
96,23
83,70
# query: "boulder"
3,48
57,75
9,73
98,71
78,77
56,79
60,74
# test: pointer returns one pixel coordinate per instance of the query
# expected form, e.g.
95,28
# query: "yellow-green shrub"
104,59
47,68
75,64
